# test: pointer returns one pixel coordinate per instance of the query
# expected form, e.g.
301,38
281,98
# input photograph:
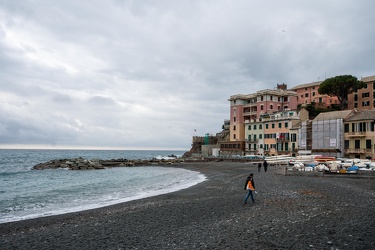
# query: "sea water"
27,193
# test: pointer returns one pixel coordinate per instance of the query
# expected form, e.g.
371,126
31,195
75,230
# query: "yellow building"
359,137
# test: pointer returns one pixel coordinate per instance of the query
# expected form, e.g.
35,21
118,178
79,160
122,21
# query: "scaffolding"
328,137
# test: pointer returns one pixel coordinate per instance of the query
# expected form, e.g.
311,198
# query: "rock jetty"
92,164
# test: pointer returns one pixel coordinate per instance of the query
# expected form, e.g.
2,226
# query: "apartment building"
308,94
359,135
363,99
278,140
246,108
254,137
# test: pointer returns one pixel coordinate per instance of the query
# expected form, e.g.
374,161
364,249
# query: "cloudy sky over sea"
147,74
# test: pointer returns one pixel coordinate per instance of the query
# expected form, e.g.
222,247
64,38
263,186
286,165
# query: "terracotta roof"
362,115
333,115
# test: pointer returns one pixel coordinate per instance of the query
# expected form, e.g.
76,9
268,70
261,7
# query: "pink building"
245,109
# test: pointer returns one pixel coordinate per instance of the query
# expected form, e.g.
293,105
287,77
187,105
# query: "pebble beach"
290,212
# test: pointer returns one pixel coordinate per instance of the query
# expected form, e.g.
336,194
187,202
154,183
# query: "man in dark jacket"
250,186
265,165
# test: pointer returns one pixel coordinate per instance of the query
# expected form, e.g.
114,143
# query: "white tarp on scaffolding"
328,137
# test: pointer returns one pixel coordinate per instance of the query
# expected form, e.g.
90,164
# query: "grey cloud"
146,73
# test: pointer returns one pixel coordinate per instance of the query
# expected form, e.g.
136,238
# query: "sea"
27,193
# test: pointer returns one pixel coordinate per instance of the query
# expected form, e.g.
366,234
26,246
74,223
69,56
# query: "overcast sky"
145,74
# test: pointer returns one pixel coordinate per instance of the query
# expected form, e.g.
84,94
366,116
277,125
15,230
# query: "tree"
341,86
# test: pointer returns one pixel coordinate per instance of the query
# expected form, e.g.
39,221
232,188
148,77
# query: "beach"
290,212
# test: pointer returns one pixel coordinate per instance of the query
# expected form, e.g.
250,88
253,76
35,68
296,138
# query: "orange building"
308,94
363,99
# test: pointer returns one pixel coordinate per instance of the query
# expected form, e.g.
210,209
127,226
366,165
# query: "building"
359,135
363,99
278,139
328,133
245,109
254,137
308,94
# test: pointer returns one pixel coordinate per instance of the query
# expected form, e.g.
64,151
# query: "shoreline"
289,212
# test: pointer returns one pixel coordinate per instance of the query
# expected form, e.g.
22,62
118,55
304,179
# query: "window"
234,119
306,94
356,97
260,136
266,126
357,144
279,125
286,124
255,126
255,147
260,126
234,136
293,137
249,127
367,94
356,105
271,106
261,107
367,103
313,93
320,100
368,144
346,144
234,127
273,125
346,128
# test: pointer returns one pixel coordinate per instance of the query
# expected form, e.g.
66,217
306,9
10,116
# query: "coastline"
294,212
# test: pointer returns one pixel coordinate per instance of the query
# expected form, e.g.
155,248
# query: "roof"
306,85
275,92
333,115
368,79
362,115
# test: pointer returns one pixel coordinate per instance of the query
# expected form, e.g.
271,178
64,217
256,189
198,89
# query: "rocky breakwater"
92,164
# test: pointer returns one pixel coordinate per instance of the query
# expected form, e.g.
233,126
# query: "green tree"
341,86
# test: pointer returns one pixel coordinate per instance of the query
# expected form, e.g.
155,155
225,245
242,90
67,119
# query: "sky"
123,74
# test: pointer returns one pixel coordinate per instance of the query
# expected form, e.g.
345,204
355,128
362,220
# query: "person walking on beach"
259,166
250,187
265,165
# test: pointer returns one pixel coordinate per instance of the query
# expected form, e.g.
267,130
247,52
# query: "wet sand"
290,212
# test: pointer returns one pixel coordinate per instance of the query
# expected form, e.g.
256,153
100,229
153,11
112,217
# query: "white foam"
106,201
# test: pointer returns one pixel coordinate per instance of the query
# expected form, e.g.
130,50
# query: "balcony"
358,151
356,134
252,140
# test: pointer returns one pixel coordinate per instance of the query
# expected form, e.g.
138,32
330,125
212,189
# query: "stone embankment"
85,164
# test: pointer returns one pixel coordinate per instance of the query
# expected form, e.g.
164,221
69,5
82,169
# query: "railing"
353,134
355,150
